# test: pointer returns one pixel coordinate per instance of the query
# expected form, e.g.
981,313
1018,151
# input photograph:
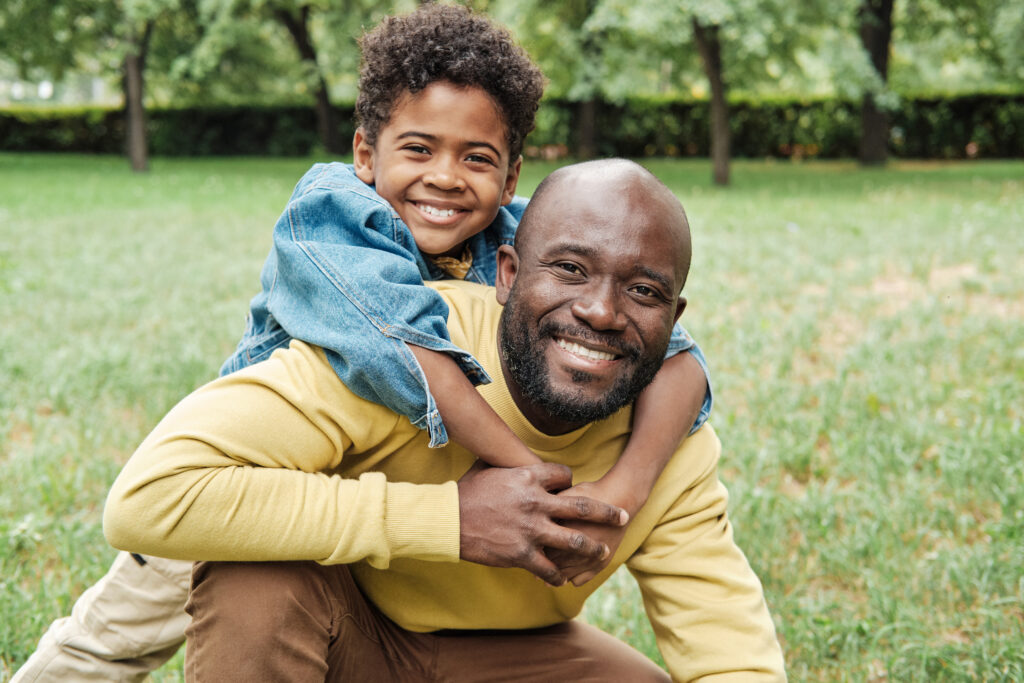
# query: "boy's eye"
418,149
480,159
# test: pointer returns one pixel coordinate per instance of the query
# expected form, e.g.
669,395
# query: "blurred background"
853,171
721,78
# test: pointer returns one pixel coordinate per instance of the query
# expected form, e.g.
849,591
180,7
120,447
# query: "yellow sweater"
281,462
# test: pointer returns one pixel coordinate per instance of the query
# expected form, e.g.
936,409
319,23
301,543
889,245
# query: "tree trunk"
586,129
326,119
876,37
135,110
710,49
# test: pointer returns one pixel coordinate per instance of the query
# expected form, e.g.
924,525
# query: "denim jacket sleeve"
344,274
680,342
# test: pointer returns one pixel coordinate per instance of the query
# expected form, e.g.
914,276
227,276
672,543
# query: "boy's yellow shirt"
363,488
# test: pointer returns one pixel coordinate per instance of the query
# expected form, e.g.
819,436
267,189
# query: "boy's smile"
442,162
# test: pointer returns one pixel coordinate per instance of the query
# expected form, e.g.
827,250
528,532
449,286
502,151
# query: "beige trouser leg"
123,627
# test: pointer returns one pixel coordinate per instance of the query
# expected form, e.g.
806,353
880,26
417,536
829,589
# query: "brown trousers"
301,621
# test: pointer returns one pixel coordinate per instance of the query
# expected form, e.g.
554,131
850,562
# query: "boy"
445,101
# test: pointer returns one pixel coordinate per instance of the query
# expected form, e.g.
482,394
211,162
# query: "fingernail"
623,518
604,551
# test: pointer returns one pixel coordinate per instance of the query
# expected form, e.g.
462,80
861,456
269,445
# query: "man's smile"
585,352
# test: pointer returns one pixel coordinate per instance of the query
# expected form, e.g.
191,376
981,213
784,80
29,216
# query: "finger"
552,476
544,569
588,510
574,542
582,578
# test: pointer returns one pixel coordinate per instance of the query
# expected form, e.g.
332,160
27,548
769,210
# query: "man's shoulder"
473,312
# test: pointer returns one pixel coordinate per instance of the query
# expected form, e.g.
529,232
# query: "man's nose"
443,173
600,307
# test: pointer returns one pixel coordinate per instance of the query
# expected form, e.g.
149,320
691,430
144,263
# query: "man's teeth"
592,354
434,211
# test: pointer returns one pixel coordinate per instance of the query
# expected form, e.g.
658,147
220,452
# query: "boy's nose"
443,175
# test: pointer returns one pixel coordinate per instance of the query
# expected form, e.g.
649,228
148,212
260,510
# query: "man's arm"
704,601
250,467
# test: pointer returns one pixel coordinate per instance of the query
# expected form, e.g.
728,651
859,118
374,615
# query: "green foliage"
931,127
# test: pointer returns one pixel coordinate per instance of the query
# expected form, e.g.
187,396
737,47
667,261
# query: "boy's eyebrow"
589,252
434,138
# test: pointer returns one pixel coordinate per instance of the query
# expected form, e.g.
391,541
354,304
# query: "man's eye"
570,268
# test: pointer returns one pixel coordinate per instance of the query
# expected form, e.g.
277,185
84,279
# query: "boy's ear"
508,267
511,180
362,157
680,307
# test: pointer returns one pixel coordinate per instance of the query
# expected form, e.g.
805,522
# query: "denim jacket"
344,273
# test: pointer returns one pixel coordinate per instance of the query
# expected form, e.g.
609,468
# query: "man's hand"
507,517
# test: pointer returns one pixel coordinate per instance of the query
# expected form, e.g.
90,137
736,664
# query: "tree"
709,46
106,35
296,21
570,52
738,42
322,32
875,19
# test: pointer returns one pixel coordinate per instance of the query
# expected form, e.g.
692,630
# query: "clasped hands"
527,517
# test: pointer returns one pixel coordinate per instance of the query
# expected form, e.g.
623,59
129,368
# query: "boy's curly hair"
446,43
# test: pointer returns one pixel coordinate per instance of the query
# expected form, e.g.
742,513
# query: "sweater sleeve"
269,464
703,599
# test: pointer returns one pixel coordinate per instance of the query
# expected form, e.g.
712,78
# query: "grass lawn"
865,331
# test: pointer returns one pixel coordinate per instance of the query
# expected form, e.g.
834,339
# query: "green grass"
865,331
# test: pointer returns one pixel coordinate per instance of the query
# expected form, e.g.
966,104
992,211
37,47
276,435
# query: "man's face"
442,162
590,308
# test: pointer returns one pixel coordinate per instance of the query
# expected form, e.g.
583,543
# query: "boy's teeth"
433,211
592,354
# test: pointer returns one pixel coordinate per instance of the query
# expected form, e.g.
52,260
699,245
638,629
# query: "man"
337,547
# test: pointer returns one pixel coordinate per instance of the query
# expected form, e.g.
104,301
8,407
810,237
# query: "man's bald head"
629,184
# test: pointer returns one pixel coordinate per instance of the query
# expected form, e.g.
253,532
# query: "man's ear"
680,307
511,180
362,157
508,267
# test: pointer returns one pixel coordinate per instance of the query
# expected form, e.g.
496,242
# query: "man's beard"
525,362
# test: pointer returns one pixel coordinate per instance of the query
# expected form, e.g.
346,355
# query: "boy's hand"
575,567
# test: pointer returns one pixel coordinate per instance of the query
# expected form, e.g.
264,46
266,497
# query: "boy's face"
442,161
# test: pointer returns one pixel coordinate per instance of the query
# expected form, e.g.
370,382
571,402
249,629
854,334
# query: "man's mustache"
552,329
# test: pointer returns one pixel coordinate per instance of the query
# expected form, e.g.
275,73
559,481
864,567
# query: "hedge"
934,127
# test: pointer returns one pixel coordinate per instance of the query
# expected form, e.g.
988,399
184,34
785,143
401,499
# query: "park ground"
865,330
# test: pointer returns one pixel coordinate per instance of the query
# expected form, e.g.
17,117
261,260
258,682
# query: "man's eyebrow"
434,138
570,248
660,278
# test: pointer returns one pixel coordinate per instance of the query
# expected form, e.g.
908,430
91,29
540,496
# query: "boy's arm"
470,421
662,417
